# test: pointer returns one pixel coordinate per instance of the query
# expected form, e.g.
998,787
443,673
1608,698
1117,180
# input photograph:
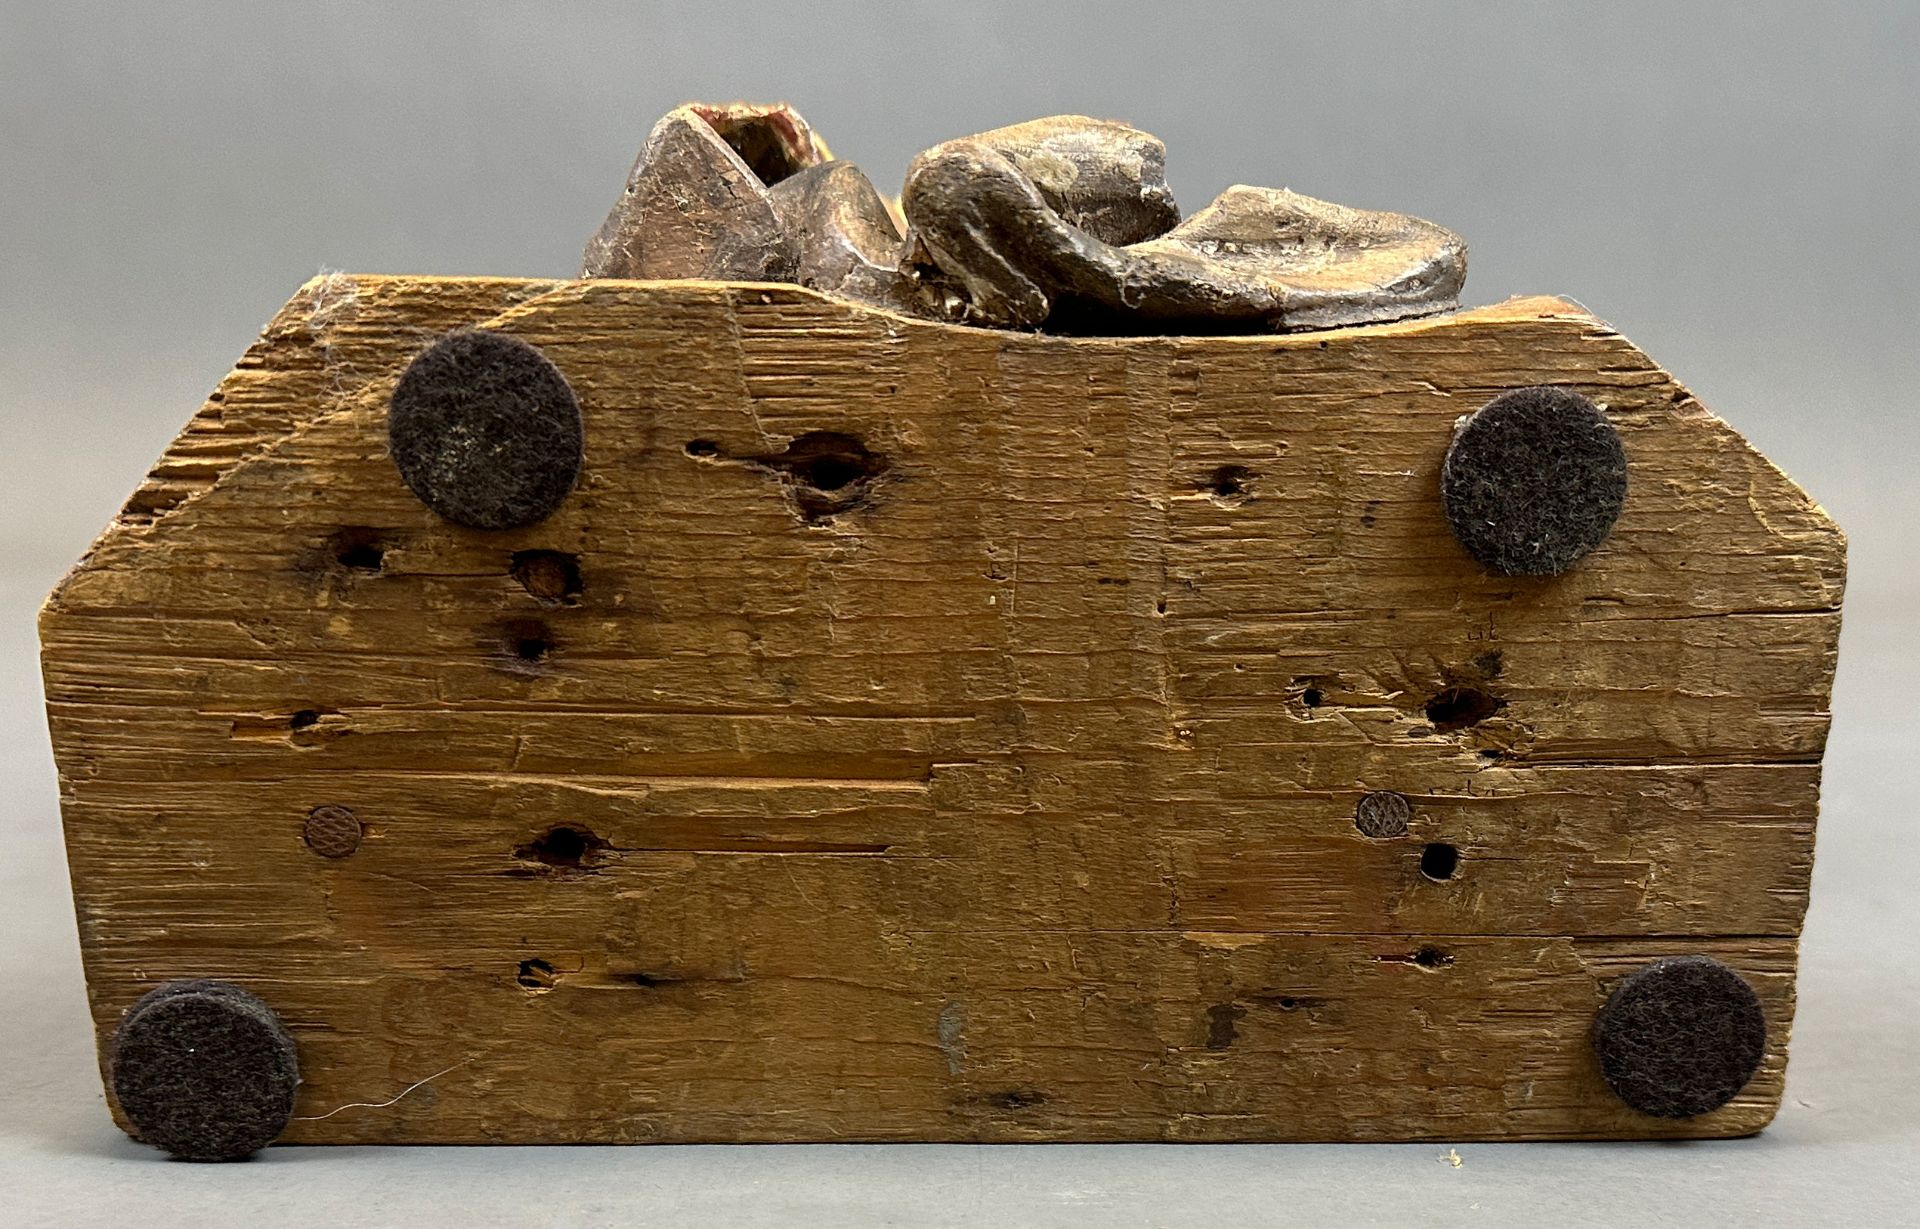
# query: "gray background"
1733,185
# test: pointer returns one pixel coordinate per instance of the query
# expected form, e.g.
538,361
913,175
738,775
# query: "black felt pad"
204,1070
1680,1037
1533,481
485,431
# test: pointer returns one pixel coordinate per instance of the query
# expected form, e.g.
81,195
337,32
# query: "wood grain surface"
1002,790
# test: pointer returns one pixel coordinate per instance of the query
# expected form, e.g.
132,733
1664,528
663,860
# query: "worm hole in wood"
1458,707
1229,485
565,847
358,549
828,472
529,642
1439,861
310,727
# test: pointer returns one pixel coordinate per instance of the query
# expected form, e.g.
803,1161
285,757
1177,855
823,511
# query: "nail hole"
1456,708
702,448
1432,958
535,975
1439,861
304,718
1288,1003
1312,697
551,576
563,846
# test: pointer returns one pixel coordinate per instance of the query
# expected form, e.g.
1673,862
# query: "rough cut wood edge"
1014,803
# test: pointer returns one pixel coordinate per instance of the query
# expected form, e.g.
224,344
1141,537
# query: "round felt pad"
1680,1037
485,431
204,1070
1534,480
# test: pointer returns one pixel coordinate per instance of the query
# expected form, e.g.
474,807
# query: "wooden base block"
908,732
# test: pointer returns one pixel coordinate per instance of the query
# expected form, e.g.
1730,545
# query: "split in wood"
1064,223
